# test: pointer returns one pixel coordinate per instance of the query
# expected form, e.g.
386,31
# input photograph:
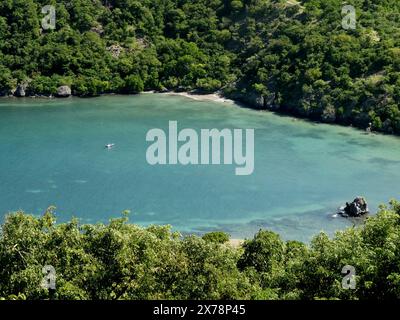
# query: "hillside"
289,56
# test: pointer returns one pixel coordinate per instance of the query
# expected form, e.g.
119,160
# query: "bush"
208,85
123,261
216,237
134,84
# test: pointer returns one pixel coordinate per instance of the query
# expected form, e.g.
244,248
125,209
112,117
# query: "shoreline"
212,97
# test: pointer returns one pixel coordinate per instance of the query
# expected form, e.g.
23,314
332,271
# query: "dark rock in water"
63,92
357,208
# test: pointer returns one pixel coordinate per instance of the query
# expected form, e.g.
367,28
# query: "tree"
134,84
216,237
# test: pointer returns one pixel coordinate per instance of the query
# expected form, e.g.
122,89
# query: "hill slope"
291,56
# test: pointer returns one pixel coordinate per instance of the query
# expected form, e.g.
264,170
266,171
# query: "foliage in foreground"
123,261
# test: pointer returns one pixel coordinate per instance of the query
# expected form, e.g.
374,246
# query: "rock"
256,100
64,92
115,50
98,29
357,208
163,90
270,102
20,90
387,126
329,114
181,89
142,43
252,99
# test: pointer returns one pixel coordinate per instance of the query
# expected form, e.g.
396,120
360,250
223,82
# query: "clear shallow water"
52,153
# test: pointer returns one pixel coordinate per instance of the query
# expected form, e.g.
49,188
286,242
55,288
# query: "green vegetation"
290,56
124,261
216,237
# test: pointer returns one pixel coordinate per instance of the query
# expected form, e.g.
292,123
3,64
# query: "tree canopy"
120,260
290,56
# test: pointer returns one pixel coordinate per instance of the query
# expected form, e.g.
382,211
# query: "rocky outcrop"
98,29
64,92
255,100
20,91
270,102
115,50
329,114
357,208
387,126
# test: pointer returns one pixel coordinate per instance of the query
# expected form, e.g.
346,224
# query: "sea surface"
52,153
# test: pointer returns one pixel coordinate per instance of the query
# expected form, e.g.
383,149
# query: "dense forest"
286,55
123,261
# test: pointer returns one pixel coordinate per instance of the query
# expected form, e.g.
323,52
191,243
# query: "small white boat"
110,145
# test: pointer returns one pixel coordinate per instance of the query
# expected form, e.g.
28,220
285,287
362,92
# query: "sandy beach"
236,243
215,97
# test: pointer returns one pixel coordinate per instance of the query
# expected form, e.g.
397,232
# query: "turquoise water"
52,153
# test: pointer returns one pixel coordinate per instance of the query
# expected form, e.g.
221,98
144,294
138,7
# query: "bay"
52,153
